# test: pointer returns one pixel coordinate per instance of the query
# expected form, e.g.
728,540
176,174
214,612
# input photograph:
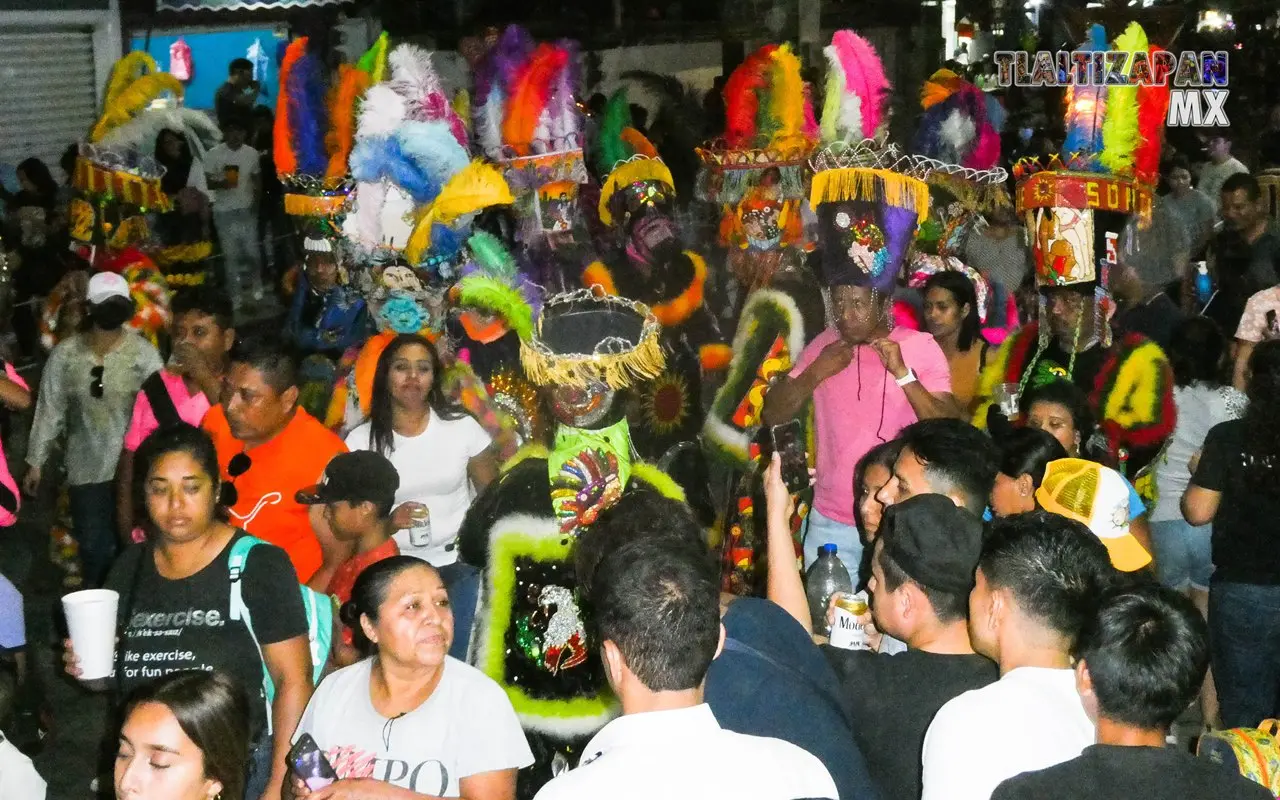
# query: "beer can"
847,629
420,533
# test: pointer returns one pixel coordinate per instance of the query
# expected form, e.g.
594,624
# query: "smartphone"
788,443
310,765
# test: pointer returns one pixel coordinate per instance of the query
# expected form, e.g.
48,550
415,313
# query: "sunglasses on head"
95,382
237,466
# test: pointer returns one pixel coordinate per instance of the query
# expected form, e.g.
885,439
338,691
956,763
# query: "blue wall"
210,55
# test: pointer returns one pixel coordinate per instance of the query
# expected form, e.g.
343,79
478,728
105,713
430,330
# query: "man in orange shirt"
268,449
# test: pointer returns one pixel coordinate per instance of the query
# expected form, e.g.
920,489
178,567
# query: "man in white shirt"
657,613
1222,165
1036,581
234,174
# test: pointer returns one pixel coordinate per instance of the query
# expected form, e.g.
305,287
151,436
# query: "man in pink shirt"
202,335
866,379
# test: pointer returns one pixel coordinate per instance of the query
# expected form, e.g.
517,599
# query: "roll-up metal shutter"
47,95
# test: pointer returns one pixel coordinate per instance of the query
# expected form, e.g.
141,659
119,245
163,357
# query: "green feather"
617,117
498,297
492,257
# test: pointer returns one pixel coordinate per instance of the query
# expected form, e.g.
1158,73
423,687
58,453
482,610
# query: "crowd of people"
517,498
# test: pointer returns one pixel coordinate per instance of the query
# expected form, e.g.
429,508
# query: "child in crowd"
358,492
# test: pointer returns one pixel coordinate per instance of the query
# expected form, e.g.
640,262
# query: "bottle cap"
828,548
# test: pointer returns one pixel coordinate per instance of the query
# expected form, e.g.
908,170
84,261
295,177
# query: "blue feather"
307,113
928,141
445,241
432,147
376,158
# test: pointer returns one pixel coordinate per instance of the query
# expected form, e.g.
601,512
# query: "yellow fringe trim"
627,173
856,183
184,253
617,370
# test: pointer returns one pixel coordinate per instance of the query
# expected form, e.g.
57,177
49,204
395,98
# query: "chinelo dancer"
328,320
756,175
1080,210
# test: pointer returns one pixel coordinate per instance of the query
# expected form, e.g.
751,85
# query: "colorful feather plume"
494,283
1120,128
133,99
616,119
477,186
140,132
529,97
282,139
414,78
126,71
1153,109
564,120
374,61
960,123
1086,109
306,117
352,83
856,89
742,97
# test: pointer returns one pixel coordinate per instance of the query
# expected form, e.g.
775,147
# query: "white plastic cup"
91,621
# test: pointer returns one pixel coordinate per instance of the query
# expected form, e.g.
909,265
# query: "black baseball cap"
357,477
934,541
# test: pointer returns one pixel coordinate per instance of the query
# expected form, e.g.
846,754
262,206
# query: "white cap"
106,285
313,244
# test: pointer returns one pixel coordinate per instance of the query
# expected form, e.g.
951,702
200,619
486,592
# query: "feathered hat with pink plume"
869,198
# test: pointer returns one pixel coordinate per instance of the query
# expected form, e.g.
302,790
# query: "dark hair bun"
349,614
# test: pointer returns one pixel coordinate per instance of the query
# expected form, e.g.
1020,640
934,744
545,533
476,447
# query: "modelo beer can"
847,630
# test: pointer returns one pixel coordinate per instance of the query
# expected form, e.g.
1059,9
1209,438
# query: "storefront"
56,64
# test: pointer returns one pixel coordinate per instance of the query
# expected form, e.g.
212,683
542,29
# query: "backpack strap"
236,562
161,401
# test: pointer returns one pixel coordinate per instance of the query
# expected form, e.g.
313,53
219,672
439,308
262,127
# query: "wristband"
910,377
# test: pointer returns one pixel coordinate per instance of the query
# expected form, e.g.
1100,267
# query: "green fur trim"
504,550
616,118
658,479
498,297
764,318
530,450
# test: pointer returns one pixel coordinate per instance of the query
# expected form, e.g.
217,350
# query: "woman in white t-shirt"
410,715
442,454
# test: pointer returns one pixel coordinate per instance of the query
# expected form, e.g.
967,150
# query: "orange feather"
352,83
530,93
286,159
638,142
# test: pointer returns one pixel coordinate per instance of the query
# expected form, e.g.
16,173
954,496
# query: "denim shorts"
1182,553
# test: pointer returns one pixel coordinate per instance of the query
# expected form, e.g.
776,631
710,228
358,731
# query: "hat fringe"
617,370
855,183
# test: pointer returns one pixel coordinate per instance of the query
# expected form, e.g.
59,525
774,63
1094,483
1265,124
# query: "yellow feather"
478,186
134,99
786,104
126,71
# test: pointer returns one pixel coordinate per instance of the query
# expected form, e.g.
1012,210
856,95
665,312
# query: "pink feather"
986,149
864,76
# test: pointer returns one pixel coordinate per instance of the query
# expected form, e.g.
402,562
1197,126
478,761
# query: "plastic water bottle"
827,576
1204,284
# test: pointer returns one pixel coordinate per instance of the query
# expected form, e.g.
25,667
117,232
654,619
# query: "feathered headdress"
492,282
857,90
314,133
627,159
494,75
1076,206
759,165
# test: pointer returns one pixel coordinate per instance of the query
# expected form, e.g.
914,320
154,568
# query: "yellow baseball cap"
1098,496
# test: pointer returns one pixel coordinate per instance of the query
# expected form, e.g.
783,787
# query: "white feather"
957,131
850,124
489,124
381,111
361,226
543,131
396,218
140,132
414,78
